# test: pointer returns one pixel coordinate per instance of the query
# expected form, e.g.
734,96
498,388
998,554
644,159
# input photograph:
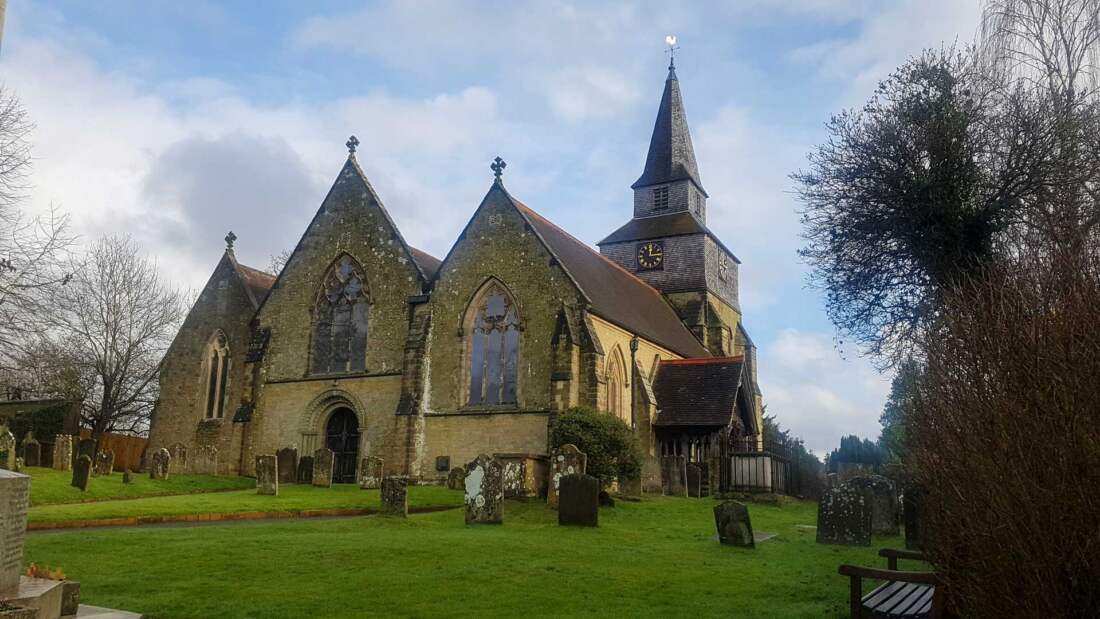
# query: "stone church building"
370,346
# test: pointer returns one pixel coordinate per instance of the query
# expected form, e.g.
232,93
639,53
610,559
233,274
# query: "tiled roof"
698,392
671,156
257,282
428,263
662,226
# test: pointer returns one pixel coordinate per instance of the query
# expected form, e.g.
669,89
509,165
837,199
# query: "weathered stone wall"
461,436
612,337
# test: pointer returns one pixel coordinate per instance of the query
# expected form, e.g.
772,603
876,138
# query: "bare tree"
278,262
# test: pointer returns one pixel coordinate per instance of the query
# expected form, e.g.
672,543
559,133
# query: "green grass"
654,558
51,487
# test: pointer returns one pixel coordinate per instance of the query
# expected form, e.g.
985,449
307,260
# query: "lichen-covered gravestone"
63,452
14,499
370,473
82,472
694,481
267,475
323,460
104,462
674,475
578,500
288,464
395,496
160,465
32,451
7,448
844,517
884,502
484,491
565,460
734,527
205,460
305,470
179,456
456,479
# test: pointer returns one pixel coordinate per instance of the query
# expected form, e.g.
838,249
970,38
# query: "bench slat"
905,606
898,601
881,594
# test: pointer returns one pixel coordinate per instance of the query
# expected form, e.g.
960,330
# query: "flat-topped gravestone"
178,452
734,527
267,475
288,464
884,502
565,460
484,491
7,449
32,451
694,476
205,460
82,472
305,470
456,479
104,462
323,460
395,496
578,500
844,517
63,452
674,476
370,473
160,465
15,492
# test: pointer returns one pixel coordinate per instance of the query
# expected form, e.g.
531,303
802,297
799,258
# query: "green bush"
608,442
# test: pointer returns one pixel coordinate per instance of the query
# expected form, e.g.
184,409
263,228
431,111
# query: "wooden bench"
902,594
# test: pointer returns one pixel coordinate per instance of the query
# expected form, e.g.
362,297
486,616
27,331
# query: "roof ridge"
704,360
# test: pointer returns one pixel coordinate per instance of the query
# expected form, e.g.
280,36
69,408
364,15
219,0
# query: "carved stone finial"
497,166
351,144
229,239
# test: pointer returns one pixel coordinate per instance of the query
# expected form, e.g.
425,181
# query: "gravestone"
14,499
7,448
63,452
32,451
323,460
267,475
456,479
578,500
484,491
734,527
205,460
630,487
127,477
82,472
104,462
70,598
85,447
19,464
911,504
305,470
161,464
674,476
395,496
288,464
370,473
178,452
844,517
884,502
565,460
694,476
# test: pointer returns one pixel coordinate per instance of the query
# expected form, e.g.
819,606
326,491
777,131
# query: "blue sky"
176,122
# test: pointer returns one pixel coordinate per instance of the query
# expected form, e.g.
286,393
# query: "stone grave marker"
63,452
565,460
178,452
104,462
844,517
14,500
484,491
370,473
7,447
127,477
456,479
70,598
734,527
82,472
288,464
630,487
323,460
305,470
578,500
674,475
19,464
605,499
161,464
267,475
205,461
884,502
32,451
395,496
694,476
85,447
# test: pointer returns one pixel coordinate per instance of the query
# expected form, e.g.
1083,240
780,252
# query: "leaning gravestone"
178,451
32,451
323,460
161,464
370,473
104,462
85,447
884,502
694,481
7,447
484,491
82,472
674,475
14,500
267,475
305,470
288,464
565,460
395,496
734,527
456,478
578,500
844,517
205,461
63,452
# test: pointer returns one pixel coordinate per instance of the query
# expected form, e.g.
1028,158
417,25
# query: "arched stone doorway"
342,437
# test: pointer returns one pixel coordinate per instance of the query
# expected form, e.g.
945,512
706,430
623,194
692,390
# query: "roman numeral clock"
651,255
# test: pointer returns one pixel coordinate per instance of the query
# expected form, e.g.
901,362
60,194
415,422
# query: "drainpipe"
633,370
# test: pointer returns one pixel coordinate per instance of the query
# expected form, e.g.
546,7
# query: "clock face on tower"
651,255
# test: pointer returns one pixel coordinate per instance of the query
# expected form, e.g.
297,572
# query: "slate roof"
681,223
614,293
698,392
258,283
429,264
671,156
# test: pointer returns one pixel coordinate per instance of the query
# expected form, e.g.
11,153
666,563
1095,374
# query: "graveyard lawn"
654,558
49,487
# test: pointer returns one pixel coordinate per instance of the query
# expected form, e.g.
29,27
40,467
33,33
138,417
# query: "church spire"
671,156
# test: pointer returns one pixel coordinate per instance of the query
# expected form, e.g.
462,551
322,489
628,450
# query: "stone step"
95,612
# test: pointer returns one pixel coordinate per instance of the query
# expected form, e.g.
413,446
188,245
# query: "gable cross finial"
351,144
497,166
670,40
229,239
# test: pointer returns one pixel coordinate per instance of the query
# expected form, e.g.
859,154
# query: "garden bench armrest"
892,555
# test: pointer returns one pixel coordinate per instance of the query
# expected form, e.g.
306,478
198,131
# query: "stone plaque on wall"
267,475
370,473
565,460
322,467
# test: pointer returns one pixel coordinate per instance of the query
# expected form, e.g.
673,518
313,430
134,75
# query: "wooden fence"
128,449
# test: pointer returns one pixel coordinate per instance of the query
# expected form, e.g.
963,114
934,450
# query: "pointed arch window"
494,328
340,320
216,361
615,383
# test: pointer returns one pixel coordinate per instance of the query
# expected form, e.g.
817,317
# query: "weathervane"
497,166
670,40
351,144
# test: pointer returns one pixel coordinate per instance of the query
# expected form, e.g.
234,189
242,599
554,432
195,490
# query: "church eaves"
671,156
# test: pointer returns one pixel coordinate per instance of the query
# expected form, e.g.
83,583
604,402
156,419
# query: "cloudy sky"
175,122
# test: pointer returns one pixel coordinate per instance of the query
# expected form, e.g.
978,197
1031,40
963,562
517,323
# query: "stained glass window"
340,320
217,374
494,349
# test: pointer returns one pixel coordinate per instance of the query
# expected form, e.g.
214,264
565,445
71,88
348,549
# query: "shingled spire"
671,157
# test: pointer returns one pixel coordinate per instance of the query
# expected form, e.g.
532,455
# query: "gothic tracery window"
216,360
340,320
493,347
